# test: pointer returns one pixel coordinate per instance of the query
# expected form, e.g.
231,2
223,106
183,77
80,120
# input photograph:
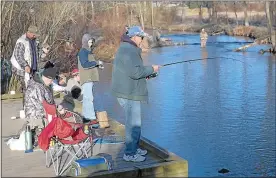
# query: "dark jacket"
129,74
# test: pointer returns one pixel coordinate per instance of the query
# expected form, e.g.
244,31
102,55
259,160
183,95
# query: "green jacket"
129,74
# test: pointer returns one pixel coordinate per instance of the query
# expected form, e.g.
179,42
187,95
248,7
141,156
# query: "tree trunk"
214,13
210,10
269,13
246,21
93,11
200,12
152,22
141,16
114,10
9,26
182,12
226,9
128,21
235,10
145,11
117,10
130,14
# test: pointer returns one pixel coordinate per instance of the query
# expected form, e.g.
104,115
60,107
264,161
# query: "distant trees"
270,8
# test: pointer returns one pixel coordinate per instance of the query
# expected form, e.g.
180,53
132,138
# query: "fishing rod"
200,59
192,60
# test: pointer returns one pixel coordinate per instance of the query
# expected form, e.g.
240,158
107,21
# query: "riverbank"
253,32
106,52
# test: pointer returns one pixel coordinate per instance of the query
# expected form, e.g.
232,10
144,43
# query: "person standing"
25,57
130,88
203,38
88,71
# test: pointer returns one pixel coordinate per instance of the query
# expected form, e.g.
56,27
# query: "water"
214,113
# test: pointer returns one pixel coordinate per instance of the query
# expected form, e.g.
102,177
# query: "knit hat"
50,73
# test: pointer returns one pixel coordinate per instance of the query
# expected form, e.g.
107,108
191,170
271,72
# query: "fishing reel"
152,76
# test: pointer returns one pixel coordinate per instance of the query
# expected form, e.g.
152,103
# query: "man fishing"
130,88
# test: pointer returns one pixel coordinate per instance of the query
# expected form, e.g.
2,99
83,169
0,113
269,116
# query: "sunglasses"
141,37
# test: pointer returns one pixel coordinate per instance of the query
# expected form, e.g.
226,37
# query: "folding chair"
57,145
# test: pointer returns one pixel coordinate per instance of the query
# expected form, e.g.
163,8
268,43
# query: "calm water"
214,113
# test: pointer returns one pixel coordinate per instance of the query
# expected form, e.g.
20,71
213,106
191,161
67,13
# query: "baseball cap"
75,71
34,30
136,31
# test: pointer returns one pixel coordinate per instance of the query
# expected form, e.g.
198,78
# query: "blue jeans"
88,110
132,111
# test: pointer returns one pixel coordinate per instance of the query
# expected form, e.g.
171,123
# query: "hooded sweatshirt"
87,63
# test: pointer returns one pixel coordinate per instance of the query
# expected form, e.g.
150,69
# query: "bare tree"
246,21
182,11
209,6
226,9
235,11
214,12
200,11
152,21
269,12
92,11
141,16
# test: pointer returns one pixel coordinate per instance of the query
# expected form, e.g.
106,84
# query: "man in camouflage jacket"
39,89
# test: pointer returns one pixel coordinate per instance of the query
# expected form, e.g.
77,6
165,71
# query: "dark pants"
23,87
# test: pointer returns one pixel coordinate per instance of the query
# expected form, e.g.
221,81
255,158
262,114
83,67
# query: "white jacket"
27,56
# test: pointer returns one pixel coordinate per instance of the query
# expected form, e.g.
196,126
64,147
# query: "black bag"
75,92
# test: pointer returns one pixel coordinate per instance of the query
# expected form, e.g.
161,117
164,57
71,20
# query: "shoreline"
260,34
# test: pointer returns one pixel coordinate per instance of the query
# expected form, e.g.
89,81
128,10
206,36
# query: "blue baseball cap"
136,31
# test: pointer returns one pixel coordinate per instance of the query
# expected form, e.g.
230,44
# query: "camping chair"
60,136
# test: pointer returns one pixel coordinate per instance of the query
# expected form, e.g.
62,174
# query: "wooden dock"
159,162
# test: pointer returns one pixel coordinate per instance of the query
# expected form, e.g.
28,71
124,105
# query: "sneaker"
134,158
141,152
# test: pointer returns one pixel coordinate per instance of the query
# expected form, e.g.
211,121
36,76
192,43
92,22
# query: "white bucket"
22,114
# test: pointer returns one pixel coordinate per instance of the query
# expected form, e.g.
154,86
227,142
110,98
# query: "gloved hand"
100,64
